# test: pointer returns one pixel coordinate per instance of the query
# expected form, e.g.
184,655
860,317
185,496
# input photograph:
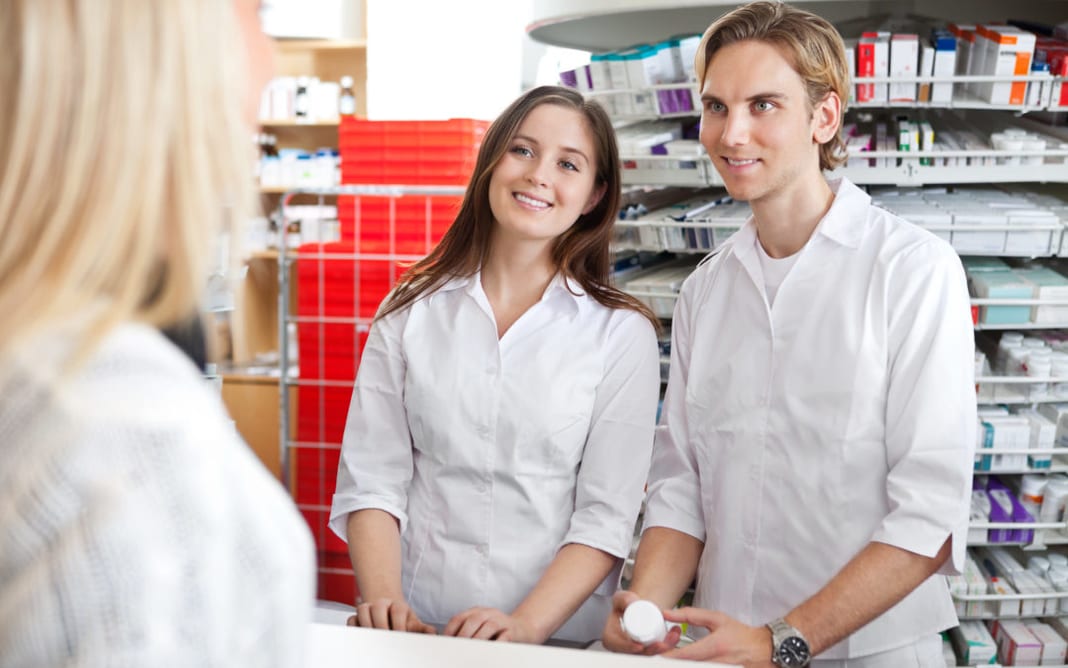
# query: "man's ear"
826,118
595,198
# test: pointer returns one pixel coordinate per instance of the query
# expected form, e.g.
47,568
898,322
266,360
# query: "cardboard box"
945,64
904,62
1017,646
1054,647
1007,51
973,643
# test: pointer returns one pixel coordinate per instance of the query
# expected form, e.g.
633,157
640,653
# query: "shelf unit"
253,398
614,24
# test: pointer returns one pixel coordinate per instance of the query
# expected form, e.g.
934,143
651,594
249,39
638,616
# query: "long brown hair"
580,254
808,41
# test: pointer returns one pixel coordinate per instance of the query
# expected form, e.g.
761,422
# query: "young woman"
136,528
502,420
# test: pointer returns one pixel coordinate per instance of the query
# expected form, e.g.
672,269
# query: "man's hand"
388,614
616,640
728,640
491,624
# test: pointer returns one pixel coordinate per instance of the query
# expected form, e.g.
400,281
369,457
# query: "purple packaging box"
1001,510
666,101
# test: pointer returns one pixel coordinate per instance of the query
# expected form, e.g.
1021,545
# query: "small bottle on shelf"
302,99
346,105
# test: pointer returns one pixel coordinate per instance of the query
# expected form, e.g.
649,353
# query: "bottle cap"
643,622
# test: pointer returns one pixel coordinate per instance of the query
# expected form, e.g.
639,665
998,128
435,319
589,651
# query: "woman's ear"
595,198
826,118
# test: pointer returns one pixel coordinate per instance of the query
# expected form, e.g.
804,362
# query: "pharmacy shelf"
320,44
296,122
1020,451
1020,380
961,99
1056,468
698,172
1022,526
1021,326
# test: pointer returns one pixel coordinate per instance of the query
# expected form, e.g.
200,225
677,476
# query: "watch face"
793,652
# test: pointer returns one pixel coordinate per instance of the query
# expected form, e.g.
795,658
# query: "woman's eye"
522,150
764,106
567,164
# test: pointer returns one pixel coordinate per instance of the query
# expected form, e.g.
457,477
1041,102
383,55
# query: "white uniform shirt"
136,528
494,454
793,436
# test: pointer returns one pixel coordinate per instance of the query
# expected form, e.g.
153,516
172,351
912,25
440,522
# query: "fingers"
613,637
697,651
455,623
416,625
710,619
622,598
388,614
480,623
666,645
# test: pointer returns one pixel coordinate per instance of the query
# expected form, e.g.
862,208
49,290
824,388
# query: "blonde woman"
136,529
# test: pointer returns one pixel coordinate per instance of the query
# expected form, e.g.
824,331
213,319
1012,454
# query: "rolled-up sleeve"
674,499
375,468
615,460
930,407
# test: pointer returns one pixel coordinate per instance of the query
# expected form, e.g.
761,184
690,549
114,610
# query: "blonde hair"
123,153
811,44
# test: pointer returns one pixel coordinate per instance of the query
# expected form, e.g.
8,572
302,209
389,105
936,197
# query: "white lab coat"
793,436
494,454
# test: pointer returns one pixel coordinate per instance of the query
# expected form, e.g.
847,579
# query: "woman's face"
258,50
547,177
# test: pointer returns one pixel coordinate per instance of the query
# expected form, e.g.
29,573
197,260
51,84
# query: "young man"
813,462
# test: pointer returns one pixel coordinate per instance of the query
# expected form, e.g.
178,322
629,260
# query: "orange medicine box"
1005,51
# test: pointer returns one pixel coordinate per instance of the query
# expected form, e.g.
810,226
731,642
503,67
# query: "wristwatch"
789,649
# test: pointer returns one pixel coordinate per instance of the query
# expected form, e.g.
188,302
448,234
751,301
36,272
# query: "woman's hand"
389,614
491,624
616,640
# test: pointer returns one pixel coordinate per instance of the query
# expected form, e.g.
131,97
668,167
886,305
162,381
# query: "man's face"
757,124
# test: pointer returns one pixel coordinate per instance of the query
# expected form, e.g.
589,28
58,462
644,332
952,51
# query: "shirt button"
482,550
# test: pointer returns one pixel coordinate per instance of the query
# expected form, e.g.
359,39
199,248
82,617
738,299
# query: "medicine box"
1017,646
945,64
1058,414
1054,647
965,34
1006,52
1001,285
974,644
904,60
1048,285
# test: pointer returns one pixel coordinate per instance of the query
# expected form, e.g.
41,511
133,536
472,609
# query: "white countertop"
334,645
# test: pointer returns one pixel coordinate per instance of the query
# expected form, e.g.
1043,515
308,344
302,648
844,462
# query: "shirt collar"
840,223
562,289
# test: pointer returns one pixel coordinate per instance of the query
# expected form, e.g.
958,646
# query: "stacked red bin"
418,153
340,286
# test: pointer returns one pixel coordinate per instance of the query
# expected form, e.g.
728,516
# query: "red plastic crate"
325,539
322,412
337,586
315,475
